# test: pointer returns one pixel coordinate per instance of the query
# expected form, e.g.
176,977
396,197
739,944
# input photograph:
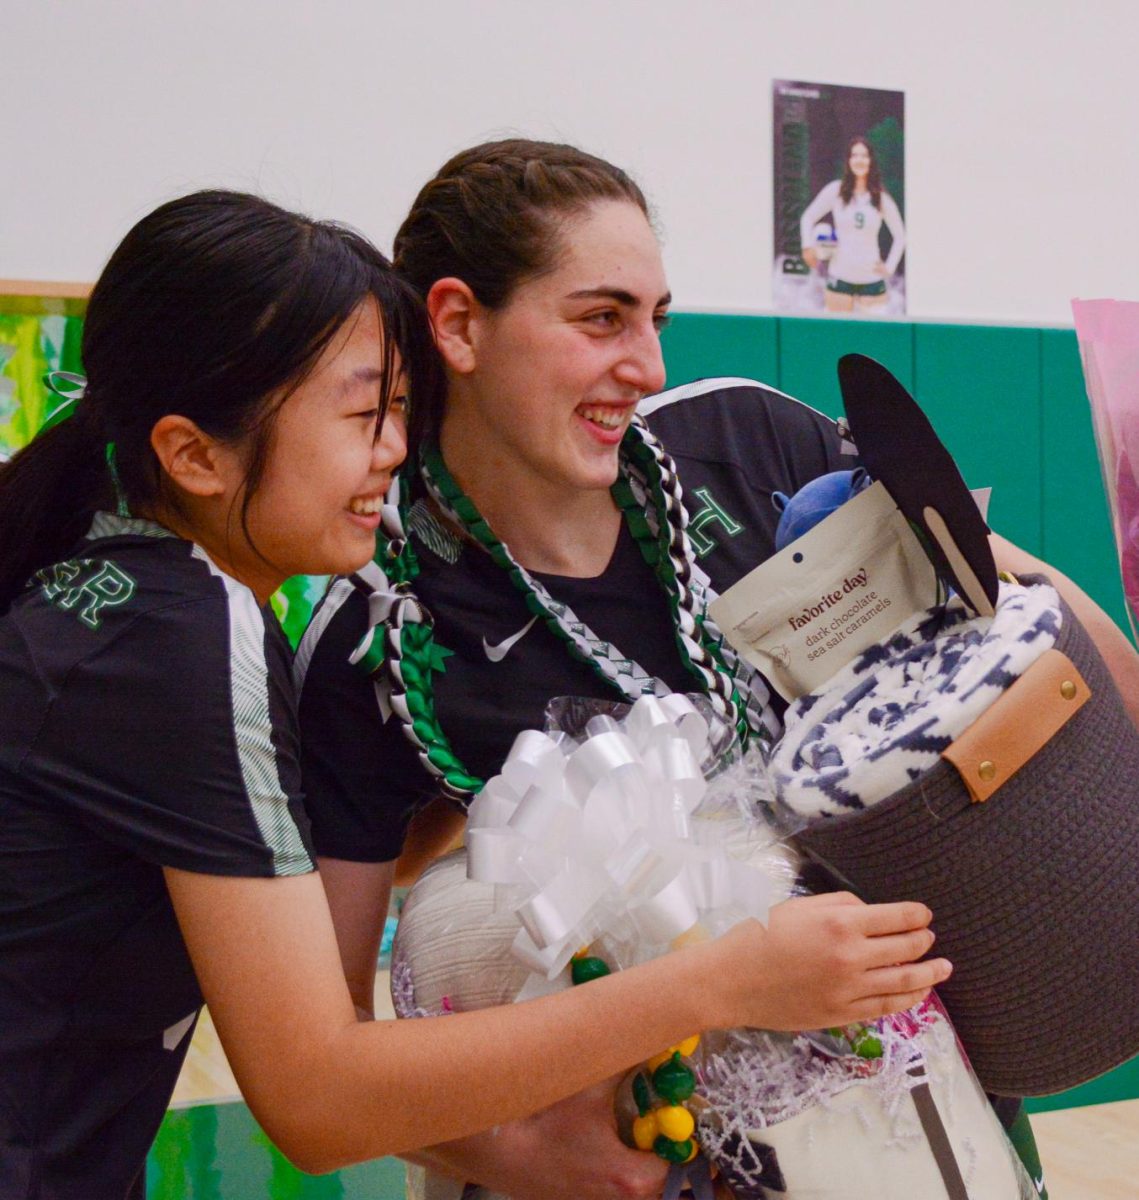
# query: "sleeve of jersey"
362,780
178,741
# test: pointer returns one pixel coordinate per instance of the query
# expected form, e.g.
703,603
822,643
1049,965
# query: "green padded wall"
980,387
749,344
809,350
696,345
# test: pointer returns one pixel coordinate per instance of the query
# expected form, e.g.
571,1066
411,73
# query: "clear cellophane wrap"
632,830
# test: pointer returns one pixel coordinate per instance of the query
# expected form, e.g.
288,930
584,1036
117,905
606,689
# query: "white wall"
1022,154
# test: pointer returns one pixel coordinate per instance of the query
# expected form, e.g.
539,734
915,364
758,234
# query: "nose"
642,366
390,446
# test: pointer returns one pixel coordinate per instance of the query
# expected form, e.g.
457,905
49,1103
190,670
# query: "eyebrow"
618,294
360,375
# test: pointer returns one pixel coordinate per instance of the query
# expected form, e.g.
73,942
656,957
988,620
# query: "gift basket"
622,832
968,750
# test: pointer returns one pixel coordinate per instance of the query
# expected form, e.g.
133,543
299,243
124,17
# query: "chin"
349,563
341,560
597,480
597,472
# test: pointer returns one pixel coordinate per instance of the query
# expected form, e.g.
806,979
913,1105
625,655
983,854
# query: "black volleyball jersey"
734,441
148,721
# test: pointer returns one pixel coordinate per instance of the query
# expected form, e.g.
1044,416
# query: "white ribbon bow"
597,836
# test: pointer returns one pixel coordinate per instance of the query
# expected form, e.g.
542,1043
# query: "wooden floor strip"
1090,1153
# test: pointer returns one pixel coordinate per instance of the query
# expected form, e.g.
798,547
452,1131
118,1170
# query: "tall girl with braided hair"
537,545
241,423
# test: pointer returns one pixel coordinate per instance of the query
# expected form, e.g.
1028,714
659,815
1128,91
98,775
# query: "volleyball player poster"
840,198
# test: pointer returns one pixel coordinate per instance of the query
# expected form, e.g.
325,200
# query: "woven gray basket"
1035,893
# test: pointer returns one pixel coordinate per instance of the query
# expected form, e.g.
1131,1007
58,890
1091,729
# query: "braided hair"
493,216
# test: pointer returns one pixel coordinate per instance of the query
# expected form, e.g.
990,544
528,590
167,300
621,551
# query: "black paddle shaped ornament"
899,448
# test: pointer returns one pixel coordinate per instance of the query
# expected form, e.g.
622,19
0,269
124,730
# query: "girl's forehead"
610,242
607,219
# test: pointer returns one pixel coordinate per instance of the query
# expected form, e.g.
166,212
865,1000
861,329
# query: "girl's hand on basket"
832,960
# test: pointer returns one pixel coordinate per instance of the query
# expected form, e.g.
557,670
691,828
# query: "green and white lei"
399,651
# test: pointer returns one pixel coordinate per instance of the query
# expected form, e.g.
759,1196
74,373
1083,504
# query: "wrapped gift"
614,839
1018,827
893,1114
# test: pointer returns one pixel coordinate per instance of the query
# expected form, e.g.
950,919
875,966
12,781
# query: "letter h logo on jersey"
712,513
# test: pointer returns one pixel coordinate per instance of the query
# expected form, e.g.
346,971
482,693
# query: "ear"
453,310
193,460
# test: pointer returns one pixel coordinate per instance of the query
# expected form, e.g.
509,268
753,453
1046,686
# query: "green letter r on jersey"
86,587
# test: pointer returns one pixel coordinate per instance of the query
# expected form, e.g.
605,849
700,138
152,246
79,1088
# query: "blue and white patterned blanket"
885,718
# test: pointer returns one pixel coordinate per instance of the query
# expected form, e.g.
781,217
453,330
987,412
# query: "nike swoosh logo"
499,652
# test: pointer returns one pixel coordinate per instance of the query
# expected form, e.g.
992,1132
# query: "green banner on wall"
31,345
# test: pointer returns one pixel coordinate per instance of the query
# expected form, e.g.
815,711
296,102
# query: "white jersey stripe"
106,524
338,592
700,387
257,756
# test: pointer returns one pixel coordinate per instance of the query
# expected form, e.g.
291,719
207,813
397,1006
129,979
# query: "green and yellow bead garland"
665,1128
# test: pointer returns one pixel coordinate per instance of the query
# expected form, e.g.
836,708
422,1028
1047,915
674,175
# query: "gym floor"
210,1148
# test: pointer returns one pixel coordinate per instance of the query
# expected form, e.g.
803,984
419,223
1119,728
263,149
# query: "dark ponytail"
215,306
49,492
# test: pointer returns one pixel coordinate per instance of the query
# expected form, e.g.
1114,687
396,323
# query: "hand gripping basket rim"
1034,892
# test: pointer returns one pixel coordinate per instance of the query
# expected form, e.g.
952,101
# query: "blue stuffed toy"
815,501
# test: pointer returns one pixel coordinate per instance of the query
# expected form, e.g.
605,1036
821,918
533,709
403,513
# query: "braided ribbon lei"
397,649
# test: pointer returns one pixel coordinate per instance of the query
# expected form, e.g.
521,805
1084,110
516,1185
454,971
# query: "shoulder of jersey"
166,569
333,606
724,387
